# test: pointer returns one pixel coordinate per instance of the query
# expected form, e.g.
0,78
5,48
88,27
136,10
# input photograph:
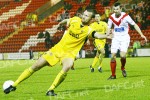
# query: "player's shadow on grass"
82,90
96,69
78,68
132,76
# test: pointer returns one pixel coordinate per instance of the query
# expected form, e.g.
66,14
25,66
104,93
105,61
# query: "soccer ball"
7,84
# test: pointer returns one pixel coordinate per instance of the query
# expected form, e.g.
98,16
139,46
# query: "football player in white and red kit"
121,38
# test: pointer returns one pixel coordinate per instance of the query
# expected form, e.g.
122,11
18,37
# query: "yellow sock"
100,59
59,78
94,62
27,73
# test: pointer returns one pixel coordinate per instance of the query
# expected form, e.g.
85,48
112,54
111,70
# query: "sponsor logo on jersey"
121,29
74,35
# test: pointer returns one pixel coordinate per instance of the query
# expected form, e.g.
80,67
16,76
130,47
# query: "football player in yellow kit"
64,51
101,28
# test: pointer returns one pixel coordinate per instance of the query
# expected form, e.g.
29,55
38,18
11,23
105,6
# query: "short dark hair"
117,4
93,11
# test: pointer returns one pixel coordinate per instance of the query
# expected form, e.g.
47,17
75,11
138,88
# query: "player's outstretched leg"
26,74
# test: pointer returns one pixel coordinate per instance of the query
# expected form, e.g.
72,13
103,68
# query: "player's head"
88,14
117,9
97,17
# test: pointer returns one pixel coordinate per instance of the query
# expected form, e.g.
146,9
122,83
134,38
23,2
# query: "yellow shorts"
99,44
55,55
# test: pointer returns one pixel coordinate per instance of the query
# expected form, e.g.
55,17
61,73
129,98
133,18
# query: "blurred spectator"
143,25
136,45
34,17
143,43
29,19
80,9
24,24
140,5
29,16
61,28
17,0
105,2
66,14
130,51
93,3
41,35
144,14
48,40
82,1
31,54
60,17
140,14
90,7
67,6
107,13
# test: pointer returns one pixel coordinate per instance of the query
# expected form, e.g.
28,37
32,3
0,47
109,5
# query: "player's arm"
100,36
65,21
139,31
136,27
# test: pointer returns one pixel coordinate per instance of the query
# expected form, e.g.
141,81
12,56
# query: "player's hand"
144,38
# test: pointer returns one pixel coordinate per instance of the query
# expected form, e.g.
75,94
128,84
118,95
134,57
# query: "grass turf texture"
80,83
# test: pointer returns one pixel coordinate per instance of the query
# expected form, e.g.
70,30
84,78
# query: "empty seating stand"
15,43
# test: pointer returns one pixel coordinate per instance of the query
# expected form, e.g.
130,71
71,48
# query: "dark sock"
123,62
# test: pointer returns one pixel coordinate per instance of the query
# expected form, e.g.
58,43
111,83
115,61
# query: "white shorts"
120,43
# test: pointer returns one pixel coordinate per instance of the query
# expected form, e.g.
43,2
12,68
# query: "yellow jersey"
74,37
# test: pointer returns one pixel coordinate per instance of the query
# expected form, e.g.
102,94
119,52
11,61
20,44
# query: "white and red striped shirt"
121,26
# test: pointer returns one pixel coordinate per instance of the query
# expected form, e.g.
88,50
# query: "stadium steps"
7,27
11,5
22,16
41,45
49,24
33,42
10,35
18,42
3,4
13,12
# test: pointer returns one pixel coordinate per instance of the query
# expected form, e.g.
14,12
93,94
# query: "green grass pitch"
80,84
